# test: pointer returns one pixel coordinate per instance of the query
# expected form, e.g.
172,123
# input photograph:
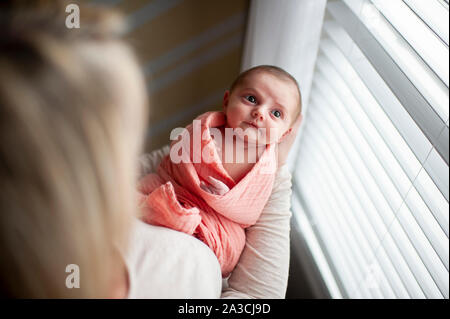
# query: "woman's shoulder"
163,263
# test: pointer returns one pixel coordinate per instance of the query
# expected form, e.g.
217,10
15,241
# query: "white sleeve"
153,273
148,163
263,267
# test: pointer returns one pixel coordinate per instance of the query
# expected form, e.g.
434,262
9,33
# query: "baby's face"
262,101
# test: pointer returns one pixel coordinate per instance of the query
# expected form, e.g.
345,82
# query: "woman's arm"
263,267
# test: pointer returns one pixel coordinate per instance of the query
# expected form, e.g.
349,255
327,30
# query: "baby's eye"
276,113
251,99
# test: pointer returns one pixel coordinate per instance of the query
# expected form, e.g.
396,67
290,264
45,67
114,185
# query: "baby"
221,182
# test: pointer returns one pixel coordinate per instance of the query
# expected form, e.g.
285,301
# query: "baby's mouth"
252,125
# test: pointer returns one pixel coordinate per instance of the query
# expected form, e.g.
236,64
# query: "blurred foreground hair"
72,115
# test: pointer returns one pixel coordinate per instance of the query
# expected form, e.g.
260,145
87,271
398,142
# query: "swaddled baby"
220,171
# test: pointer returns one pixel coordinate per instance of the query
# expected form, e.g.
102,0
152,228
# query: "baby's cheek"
273,135
231,121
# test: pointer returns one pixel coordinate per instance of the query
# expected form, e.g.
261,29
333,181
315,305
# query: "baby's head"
263,97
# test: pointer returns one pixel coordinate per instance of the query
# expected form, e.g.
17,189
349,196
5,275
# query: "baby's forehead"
268,81
259,77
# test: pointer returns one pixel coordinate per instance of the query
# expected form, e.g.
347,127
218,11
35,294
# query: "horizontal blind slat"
374,141
393,109
422,39
427,257
368,210
382,121
335,216
416,70
434,199
428,227
438,171
398,238
433,89
382,182
397,146
355,180
328,168
356,158
341,261
394,266
403,264
404,90
368,237
434,15
427,223
377,200
373,153
408,129
427,254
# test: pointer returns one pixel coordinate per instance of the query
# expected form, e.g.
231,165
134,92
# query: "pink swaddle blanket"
174,197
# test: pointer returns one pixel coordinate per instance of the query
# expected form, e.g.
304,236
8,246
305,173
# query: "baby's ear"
226,98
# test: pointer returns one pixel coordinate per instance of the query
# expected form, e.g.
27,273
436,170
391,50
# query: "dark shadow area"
305,280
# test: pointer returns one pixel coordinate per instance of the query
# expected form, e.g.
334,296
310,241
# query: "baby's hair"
278,72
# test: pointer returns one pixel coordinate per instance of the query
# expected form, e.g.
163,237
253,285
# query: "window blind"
372,177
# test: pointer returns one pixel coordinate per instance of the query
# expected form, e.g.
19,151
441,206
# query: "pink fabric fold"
175,199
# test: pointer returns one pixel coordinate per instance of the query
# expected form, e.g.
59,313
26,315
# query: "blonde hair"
72,115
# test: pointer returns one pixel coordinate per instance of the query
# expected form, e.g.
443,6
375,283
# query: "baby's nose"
258,114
